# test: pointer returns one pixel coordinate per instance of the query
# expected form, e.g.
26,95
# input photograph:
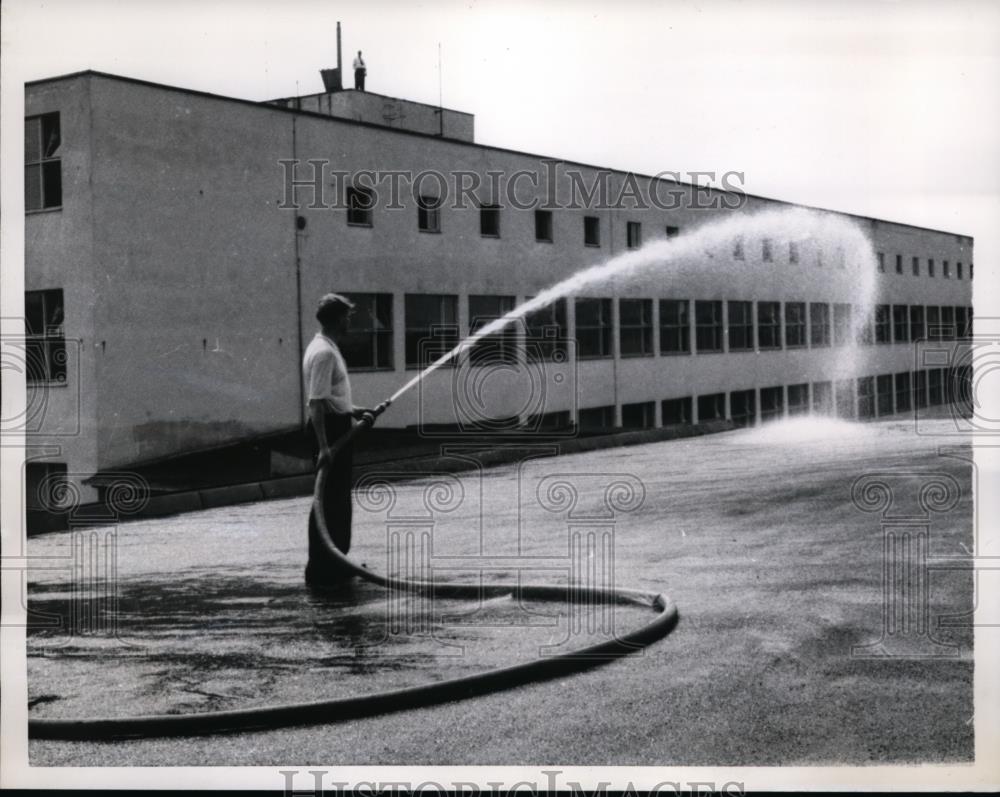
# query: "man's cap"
335,300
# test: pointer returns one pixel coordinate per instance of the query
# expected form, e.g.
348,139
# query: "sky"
887,109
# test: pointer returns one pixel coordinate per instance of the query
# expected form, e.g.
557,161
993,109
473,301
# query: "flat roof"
268,104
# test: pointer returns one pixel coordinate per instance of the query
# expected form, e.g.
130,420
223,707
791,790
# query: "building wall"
193,310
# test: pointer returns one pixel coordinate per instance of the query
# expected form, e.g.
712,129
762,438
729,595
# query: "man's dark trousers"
337,507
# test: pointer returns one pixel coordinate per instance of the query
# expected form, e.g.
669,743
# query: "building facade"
177,242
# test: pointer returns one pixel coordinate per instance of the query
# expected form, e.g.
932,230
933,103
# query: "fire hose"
344,708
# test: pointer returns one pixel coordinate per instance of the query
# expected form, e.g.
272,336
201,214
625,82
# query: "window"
45,486
866,397
543,225
819,324
594,418
883,324
798,399
883,392
930,267
946,269
499,346
920,389
711,407
593,327
546,332
742,407
916,266
880,256
641,415
795,325
591,231
765,250
793,252
958,271
708,326
738,249
45,342
635,328
960,322
948,323
772,404
673,232
369,344
740,316
429,214
633,234
822,398
559,419
360,202
769,325
675,330
935,386
899,264
841,324
845,398
676,411
902,391
934,323
42,167
970,270
431,327
489,221
900,324
864,330
917,323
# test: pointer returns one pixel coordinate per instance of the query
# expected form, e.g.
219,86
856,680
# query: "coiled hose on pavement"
343,708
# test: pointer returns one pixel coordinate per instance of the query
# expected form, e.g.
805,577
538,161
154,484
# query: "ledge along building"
177,242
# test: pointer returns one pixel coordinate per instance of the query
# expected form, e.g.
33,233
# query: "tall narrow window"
961,322
708,326
903,391
591,231
883,324
369,344
884,394
546,332
431,327
543,226
793,252
841,324
743,407
930,267
740,317
489,221
958,271
738,248
635,322
900,324
866,397
917,331
899,264
769,325
880,257
42,164
593,327
765,250
772,404
916,266
795,324
819,324
934,323
45,342
675,330
633,234
500,346
429,214
946,269
948,323
360,203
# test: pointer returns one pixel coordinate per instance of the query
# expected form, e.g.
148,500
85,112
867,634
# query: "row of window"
929,267
361,204
431,322
864,397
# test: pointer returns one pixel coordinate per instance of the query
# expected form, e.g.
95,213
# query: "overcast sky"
890,109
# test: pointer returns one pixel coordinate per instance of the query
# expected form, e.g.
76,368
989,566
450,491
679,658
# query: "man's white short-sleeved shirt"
325,375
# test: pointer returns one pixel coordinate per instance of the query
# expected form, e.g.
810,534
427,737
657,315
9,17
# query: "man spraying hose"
332,414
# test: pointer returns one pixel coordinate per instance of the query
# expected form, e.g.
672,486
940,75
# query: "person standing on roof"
331,414
360,70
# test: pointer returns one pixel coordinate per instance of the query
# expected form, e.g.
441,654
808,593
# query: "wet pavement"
776,572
